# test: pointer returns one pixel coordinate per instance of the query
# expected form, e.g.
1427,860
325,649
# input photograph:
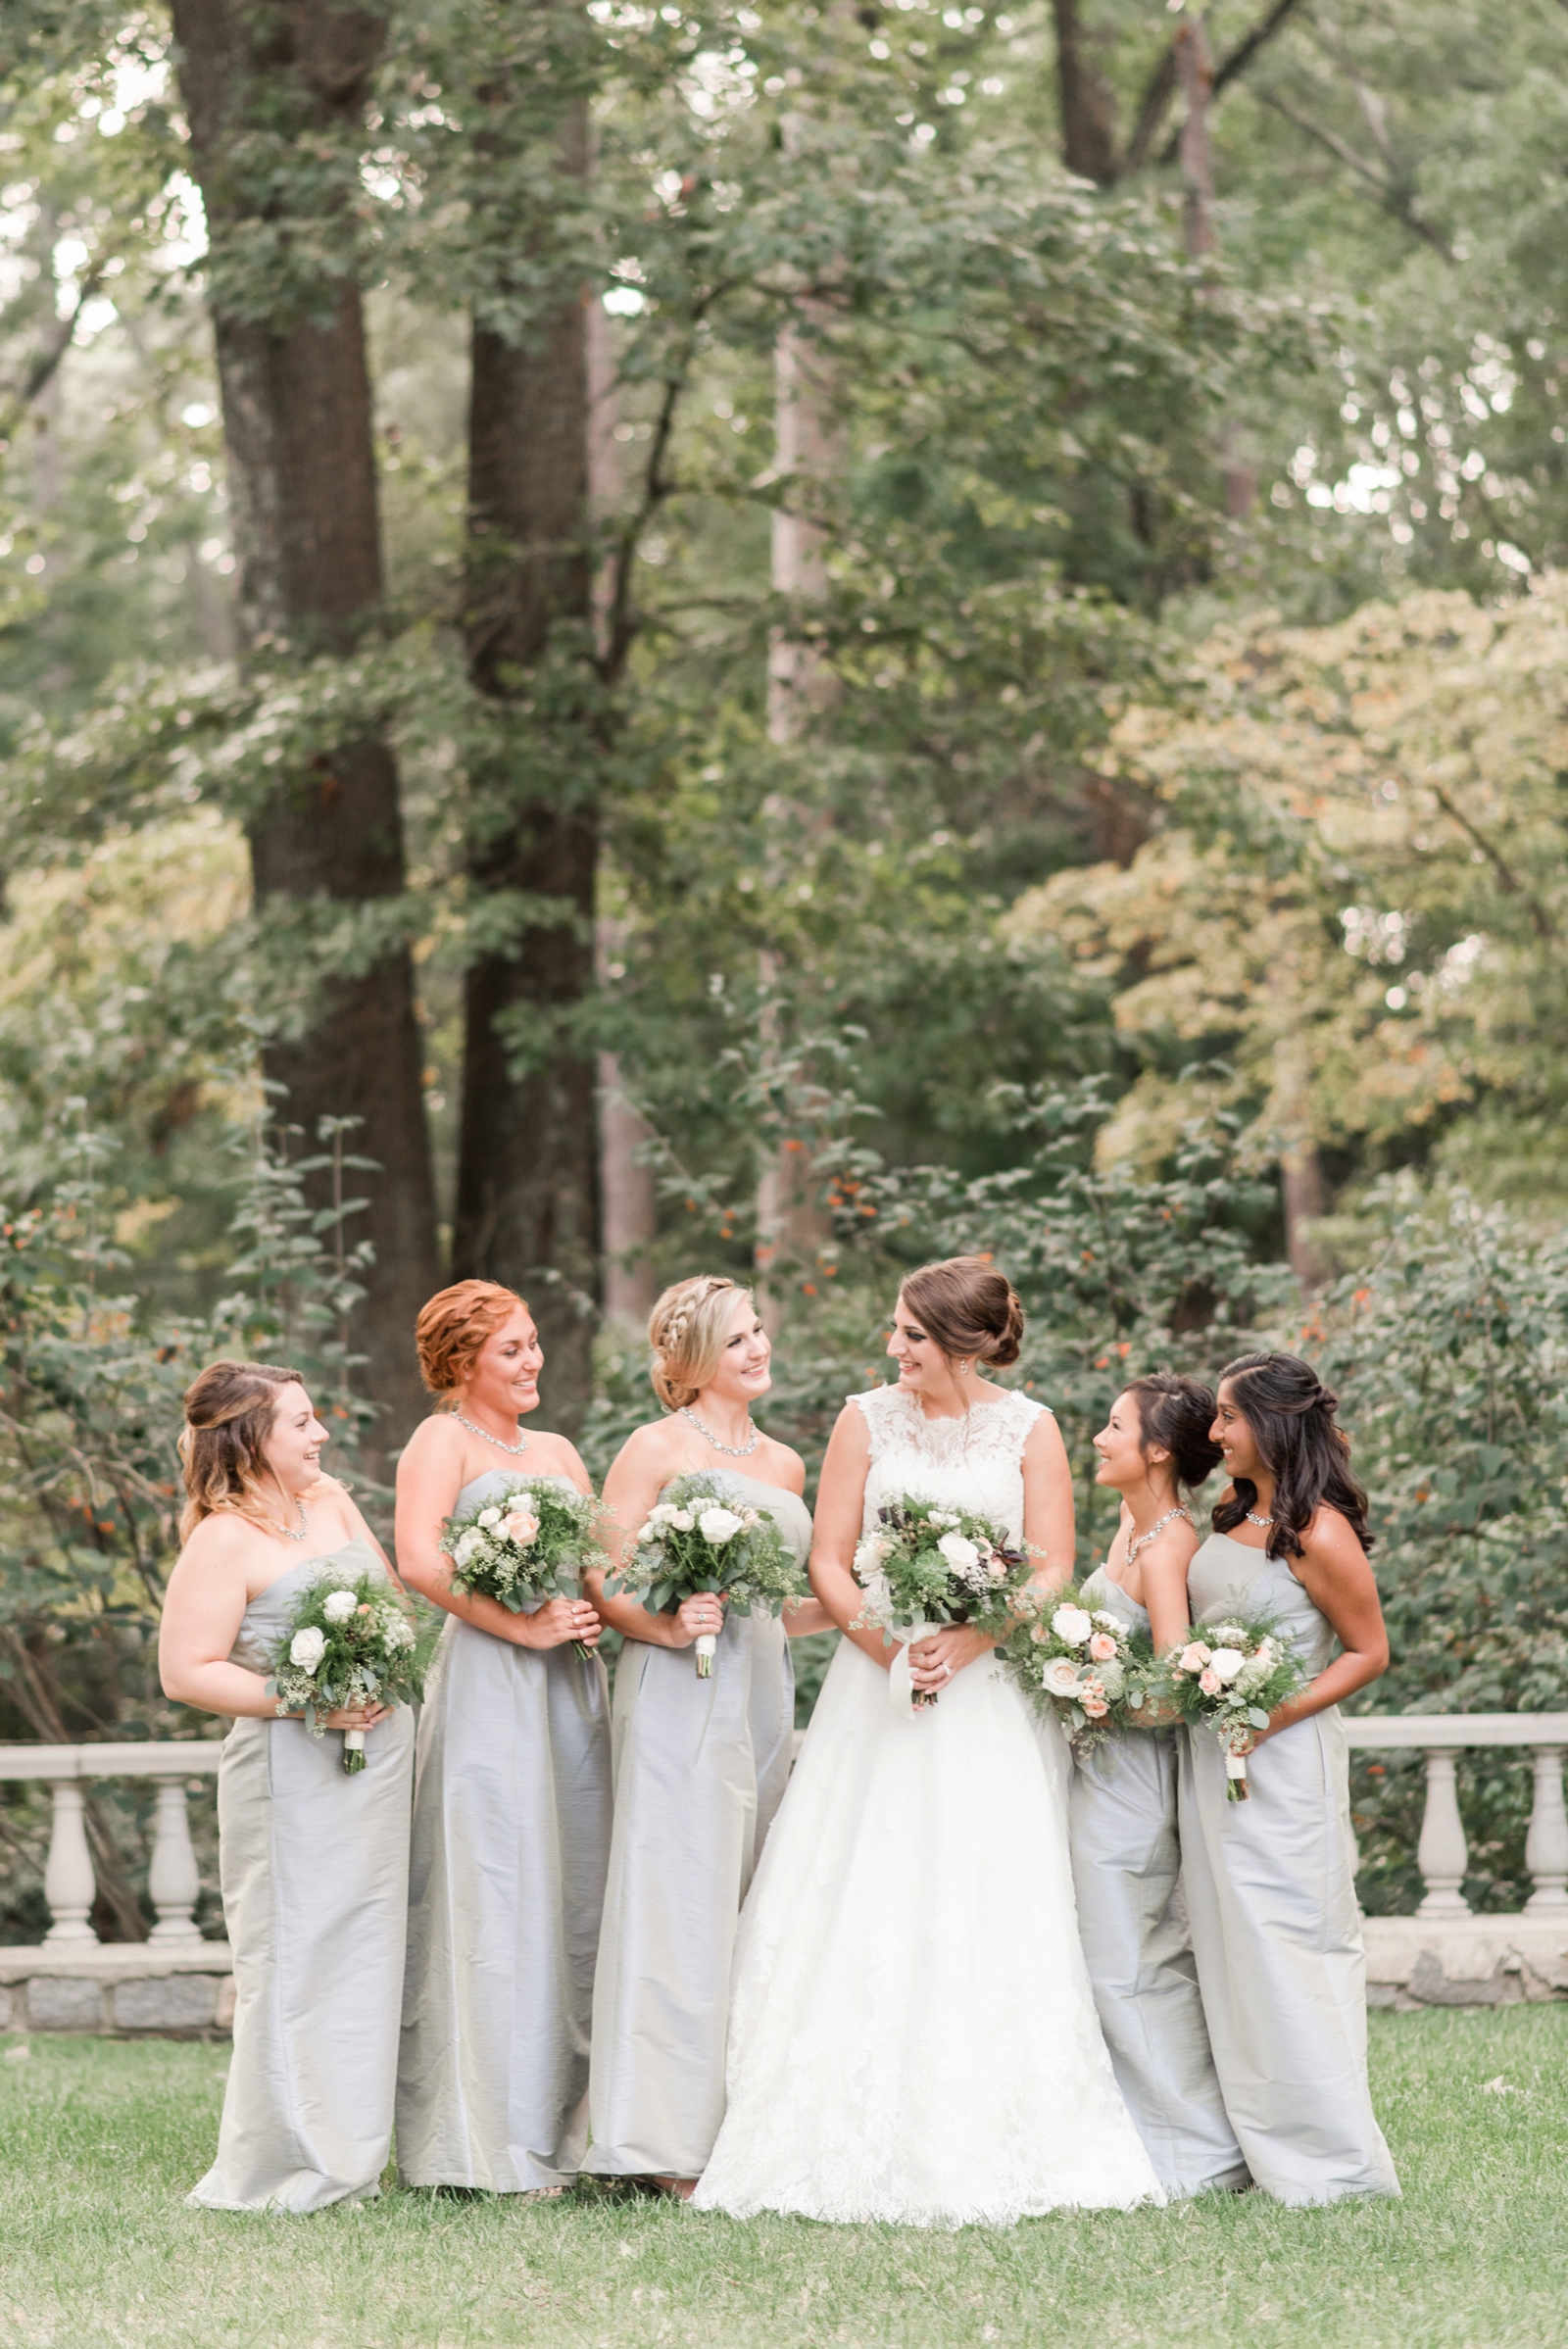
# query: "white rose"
338,1605
1227,1662
1061,1676
665,1513
489,1517
647,1531
681,1519
718,1525
960,1555
306,1648
467,1544
869,1554
1108,1621
1072,1625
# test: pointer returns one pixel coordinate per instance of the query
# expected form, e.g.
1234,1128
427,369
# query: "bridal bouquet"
534,1541
705,1538
1228,1677
1083,1668
351,1640
926,1566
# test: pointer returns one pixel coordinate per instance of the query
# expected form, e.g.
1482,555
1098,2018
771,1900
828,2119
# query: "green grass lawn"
99,2142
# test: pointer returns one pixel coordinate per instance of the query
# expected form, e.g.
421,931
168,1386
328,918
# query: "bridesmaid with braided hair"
700,1765
1271,1883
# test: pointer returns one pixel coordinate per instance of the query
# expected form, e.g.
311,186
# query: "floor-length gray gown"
510,1841
1126,1860
700,1766
315,1871
1276,1927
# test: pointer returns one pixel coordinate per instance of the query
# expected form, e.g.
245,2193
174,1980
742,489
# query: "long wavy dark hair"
1291,1413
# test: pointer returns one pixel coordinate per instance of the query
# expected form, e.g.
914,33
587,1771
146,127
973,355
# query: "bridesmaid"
1271,1883
512,1808
1125,1854
314,1864
700,1765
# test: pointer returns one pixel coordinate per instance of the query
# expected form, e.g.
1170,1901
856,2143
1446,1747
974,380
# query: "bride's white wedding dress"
912,2035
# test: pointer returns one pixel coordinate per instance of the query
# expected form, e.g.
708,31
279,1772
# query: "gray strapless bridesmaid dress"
1276,1926
1126,1860
510,1841
700,1766
315,1871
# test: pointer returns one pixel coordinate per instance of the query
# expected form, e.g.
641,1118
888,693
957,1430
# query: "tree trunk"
1088,129
528,1209
298,423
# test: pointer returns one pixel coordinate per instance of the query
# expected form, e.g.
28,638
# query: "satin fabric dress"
1276,1927
1126,1864
315,1871
511,1843
700,1768
912,2036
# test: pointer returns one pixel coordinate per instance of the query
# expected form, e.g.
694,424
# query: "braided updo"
687,1330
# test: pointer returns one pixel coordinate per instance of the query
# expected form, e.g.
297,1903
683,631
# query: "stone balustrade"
174,1979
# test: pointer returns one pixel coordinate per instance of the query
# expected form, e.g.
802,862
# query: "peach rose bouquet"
1082,1667
531,1543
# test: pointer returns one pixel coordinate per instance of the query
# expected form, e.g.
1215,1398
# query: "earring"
963,1370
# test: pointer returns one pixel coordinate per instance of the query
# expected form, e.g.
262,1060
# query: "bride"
912,2035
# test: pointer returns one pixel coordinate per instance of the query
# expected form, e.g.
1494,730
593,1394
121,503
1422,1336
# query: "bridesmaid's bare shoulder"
788,1466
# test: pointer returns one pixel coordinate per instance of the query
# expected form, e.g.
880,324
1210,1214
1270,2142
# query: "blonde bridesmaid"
512,1808
314,1864
700,1765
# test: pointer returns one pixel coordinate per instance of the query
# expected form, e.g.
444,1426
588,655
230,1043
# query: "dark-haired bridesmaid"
1126,1856
1271,1883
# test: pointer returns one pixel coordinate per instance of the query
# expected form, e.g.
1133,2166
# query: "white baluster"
69,1884
1442,1853
1546,1844
173,1880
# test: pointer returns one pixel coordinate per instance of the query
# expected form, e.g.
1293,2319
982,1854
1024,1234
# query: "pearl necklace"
1141,1541
512,1448
734,1451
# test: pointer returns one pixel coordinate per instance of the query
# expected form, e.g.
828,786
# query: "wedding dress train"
912,2035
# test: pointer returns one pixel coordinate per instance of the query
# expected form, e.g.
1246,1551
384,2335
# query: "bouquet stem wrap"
352,1750
707,1644
902,1694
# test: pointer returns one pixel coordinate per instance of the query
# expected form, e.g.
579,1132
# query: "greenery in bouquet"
1228,1677
534,1541
926,1564
705,1536
1082,1667
351,1641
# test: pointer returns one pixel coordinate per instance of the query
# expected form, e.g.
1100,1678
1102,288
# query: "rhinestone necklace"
514,1449
1260,1521
305,1524
735,1451
1141,1541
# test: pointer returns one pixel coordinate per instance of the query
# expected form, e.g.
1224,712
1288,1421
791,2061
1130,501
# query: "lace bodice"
975,1462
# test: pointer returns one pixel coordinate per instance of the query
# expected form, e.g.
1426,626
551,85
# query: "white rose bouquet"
1228,1677
1082,1667
352,1640
925,1566
534,1541
702,1536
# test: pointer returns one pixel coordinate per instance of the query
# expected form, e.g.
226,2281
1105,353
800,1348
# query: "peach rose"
1194,1658
1103,1647
1210,1682
520,1527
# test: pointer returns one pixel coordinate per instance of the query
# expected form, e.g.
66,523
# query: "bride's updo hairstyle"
223,1457
453,1328
688,1330
1291,1414
1177,1412
969,1308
